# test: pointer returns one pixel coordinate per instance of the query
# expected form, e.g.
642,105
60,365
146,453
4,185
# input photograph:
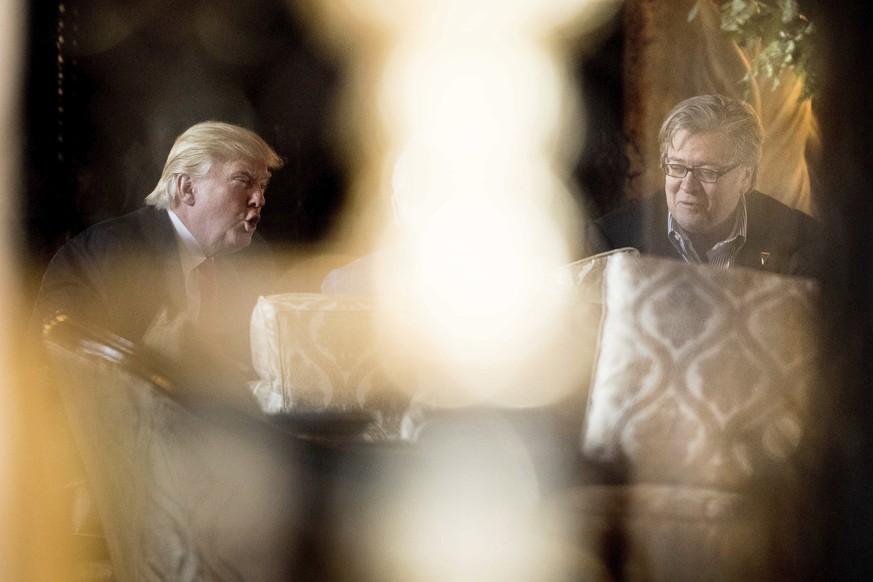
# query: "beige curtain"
668,58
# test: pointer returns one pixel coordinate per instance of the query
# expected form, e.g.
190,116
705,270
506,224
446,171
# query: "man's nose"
690,183
256,197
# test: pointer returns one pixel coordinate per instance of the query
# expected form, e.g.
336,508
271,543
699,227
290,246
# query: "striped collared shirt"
720,255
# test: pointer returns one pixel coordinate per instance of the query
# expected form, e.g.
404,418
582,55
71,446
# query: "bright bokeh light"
478,102
468,511
464,113
468,115
465,300
482,98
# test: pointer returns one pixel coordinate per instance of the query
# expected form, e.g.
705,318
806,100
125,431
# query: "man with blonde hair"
709,211
172,257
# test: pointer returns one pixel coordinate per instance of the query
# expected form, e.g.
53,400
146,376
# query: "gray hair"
733,118
199,147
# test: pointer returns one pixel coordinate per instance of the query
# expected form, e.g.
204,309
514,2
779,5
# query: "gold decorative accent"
161,382
51,322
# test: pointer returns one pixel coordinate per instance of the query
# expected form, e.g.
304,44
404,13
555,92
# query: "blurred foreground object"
21,552
187,485
474,118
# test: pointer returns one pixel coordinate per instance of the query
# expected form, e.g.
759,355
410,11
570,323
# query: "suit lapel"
160,238
657,243
760,252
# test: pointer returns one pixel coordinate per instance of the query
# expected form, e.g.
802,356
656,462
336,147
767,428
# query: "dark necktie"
208,316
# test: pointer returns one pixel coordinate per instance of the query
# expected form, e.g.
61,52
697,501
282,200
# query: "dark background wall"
104,105
844,502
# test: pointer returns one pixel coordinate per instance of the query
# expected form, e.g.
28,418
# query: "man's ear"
750,173
185,189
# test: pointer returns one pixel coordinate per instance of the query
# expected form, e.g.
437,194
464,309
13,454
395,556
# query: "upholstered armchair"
188,483
698,421
317,353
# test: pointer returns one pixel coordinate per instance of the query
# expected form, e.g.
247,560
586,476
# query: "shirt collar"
190,252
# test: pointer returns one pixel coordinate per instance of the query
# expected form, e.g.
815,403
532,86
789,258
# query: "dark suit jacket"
779,239
122,273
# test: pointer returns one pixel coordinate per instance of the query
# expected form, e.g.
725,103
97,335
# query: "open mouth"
252,223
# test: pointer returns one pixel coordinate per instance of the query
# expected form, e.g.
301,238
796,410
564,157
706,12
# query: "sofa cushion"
702,374
579,285
586,275
315,352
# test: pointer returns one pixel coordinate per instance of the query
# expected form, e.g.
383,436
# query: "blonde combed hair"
203,144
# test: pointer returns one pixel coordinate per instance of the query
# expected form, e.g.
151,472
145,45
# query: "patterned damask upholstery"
580,284
185,492
315,352
695,419
703,374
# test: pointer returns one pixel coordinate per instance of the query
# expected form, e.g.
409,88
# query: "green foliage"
776,35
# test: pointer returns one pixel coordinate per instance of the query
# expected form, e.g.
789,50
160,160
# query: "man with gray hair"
172,257
709,211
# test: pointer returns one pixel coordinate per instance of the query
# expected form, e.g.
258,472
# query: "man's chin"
238,243
695,224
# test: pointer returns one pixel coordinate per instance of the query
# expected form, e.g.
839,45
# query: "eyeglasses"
702,174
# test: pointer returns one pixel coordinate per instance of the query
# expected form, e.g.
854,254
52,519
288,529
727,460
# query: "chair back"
185,491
